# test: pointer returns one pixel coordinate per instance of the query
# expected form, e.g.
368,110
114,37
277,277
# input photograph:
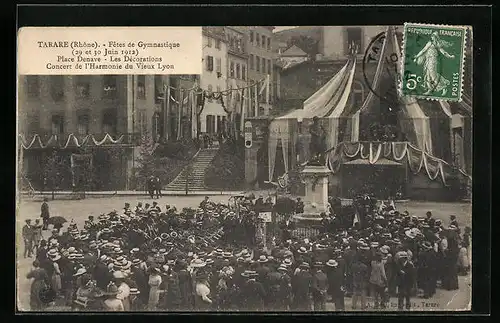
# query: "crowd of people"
213,258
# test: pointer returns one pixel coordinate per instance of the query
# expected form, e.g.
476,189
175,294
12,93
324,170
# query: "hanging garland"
36,141
434,167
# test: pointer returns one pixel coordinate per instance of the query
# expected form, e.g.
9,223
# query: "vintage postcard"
244,168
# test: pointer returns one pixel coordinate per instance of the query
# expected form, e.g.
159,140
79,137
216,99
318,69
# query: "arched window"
357,94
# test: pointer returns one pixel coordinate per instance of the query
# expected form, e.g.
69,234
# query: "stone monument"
315,176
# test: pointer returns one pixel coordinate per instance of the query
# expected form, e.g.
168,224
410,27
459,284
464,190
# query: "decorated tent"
426,124
329,103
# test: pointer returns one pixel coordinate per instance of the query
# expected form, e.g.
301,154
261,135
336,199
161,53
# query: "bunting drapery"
417,159
71,141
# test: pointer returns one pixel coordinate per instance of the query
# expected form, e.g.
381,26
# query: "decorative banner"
266,216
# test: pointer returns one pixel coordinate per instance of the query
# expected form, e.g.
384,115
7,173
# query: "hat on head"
227,254
262,259
283,268
118,275
374,244
302,250
410,234
304,265
197,263
80,271
332,263
136,262
112,289
364,247
134,291
318,264
249,273
427,245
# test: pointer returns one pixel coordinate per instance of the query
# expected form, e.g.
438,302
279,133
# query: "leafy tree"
53,170
146,161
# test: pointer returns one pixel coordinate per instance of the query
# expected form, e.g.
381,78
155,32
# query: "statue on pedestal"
317,147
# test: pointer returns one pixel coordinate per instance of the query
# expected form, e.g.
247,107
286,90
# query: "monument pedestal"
316,197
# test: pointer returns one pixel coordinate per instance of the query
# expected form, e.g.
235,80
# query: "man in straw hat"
253,293
319,287
336,283
359,282
301,286
405,279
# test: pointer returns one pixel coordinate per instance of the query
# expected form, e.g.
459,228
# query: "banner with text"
109,50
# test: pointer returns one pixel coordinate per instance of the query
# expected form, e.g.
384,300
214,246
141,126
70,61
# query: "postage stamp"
433,59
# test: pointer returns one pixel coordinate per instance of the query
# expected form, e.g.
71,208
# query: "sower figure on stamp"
429,58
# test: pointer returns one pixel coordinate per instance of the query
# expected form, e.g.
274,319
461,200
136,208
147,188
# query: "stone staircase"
196,168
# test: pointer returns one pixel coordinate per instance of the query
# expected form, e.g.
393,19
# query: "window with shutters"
268,43
263,41
257,39
210,92
257,63
159,91
83,124
109,121
218,65
210,63
357,94
231,70
243,72
353,36
209,42
109,86
238,71
217,43
33,86
82,86
269,67
251,37
57,124
263,65
251,61
141,86
57,87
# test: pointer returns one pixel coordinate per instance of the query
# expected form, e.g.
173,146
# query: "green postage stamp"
433,59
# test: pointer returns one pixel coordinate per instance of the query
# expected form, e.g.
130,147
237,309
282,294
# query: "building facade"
237,72
261,57
213,79
60,107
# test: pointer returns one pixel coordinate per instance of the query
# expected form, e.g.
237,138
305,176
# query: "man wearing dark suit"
319,287
299,206
45,214
301,285
287,227
405,278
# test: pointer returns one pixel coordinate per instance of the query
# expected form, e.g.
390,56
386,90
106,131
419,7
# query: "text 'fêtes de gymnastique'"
112,55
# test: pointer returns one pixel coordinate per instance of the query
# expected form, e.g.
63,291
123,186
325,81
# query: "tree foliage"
53,170
146,160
